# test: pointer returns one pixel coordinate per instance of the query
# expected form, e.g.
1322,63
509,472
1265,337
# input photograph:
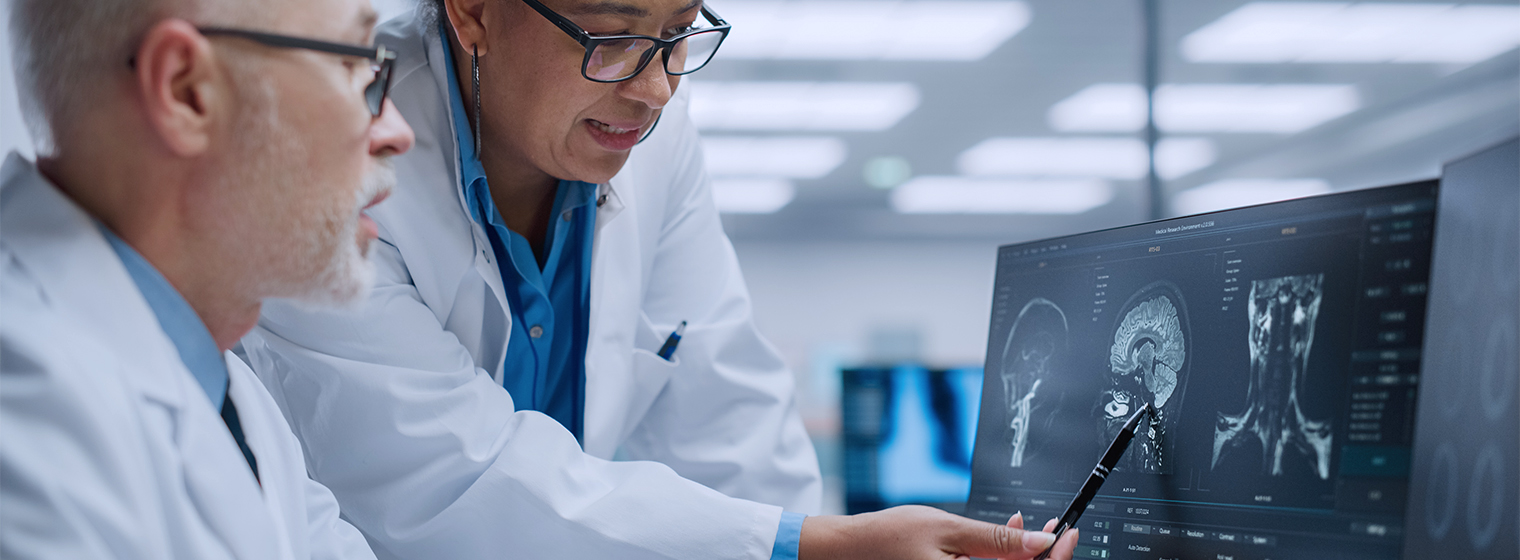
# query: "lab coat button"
536,331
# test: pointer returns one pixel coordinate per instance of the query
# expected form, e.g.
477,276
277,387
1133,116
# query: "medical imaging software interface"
1280,347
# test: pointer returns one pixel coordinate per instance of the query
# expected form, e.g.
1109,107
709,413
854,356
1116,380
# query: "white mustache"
380,179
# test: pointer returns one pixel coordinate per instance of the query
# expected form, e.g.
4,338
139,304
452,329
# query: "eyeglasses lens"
620,58
375,92
693,53
617,59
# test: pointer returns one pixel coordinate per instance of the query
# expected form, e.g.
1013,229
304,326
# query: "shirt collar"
178,320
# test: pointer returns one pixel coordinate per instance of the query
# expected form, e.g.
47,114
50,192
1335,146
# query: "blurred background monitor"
907,434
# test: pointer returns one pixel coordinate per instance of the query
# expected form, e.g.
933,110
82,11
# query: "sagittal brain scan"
1031,358
1147,364
1282,312
1280,346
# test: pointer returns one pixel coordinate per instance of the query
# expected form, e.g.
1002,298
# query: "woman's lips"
612,137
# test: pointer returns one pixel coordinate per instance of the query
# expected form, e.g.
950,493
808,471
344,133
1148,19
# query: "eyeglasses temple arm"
560,21
378,53
711,15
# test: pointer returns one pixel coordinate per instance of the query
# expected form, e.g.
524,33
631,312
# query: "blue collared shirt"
185,328
547,373
545,365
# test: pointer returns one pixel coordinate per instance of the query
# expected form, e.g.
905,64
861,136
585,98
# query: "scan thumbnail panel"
1246,386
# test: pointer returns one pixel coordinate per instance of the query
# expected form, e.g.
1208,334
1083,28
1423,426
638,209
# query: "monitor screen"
908,434
1280,345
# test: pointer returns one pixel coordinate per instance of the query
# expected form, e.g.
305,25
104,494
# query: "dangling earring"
475,76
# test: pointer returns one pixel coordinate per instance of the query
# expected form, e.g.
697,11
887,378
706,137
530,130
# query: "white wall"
827,305
822,304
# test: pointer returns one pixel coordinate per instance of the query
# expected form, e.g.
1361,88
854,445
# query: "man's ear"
467,18
177,83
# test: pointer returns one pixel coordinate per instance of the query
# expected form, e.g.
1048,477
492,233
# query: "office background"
870,155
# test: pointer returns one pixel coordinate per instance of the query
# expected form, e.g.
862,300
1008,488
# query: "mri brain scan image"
1148,363
1282,314
1031,359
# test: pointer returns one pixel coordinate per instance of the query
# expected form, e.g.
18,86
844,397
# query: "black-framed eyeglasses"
620,57
381,58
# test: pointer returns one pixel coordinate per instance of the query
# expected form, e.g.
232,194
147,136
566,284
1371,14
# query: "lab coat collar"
85,283
196,347
82,276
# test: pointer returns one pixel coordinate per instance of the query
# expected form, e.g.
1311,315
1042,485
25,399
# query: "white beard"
346,278
307,254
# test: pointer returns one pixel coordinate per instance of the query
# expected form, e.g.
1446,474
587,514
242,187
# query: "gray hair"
65,53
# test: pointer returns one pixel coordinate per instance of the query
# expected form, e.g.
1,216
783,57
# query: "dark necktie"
230,416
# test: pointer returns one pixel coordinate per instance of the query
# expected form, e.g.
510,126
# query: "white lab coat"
109,448
400,406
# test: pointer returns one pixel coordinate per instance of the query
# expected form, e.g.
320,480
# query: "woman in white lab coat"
400,404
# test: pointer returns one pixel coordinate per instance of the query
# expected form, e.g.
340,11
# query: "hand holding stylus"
925,533
1099,474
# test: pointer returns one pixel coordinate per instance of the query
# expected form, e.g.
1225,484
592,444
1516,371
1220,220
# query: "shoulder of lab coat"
108,445
429,459
723,412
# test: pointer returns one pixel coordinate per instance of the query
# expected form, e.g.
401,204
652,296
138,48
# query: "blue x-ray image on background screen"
908,434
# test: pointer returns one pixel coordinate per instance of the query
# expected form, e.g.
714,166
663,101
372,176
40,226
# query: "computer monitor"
907,433
1281,346
1464,487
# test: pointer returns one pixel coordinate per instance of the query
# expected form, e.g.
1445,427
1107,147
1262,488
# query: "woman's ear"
467,19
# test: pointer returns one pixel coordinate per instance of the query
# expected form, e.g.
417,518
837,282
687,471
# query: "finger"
998,541
1017,521
1066,547
1050,526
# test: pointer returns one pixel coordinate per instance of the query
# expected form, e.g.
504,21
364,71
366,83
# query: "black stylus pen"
1099,474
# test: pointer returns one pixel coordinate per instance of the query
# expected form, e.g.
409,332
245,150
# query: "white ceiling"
1342,124
924,93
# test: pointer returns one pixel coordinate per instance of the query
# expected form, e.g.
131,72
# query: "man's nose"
389,135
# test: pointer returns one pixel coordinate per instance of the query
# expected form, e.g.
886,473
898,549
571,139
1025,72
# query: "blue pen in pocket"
669,348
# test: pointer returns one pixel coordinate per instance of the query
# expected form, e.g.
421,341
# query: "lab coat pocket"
650,375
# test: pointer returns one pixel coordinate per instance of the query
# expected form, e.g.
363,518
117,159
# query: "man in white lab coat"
401,404
187,169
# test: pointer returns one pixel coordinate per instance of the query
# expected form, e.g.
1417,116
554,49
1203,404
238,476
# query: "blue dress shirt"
189,334
545,364
185,329
547,372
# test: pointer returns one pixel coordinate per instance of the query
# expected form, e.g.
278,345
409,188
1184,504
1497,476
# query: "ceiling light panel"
1110,158
832,106
1273,108
752,196
804,157
869,30
1234,193
1365,32
975,195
